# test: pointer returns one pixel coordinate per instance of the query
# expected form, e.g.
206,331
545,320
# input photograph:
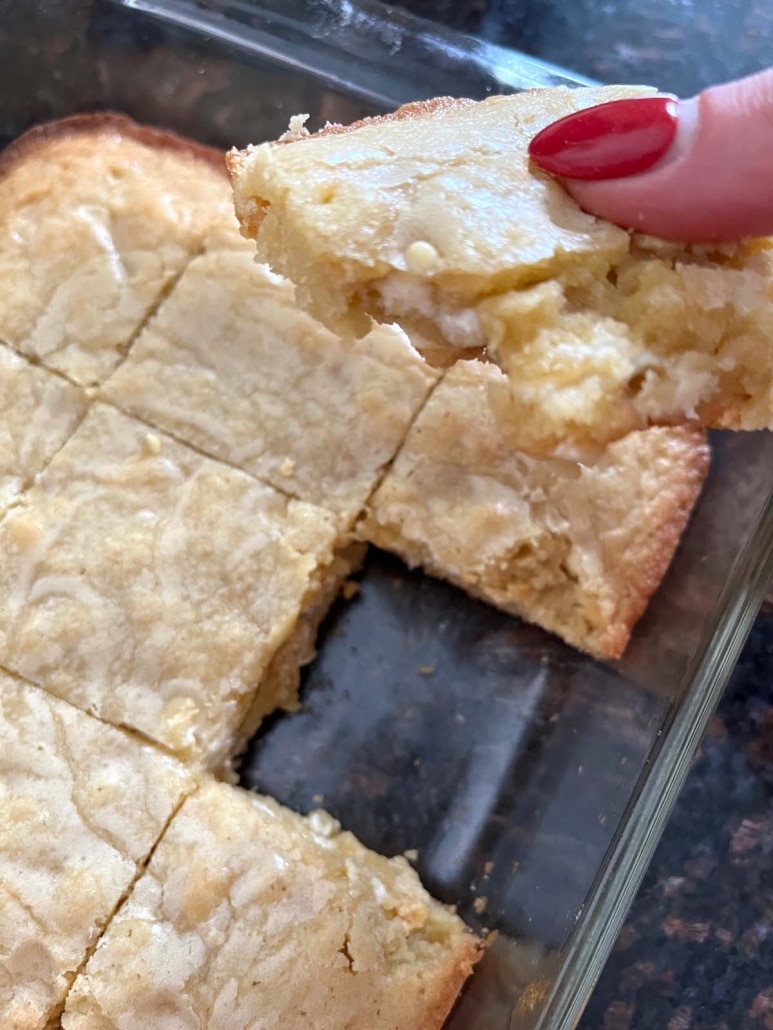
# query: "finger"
696,171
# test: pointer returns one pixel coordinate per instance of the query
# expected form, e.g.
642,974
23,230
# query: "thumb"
696,171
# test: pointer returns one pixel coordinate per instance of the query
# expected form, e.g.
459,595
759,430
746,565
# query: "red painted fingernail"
624,137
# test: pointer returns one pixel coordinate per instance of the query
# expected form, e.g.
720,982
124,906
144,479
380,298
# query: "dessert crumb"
350,589
480,904
411,854
296,129
426,670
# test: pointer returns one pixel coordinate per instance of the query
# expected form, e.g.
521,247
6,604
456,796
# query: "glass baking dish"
532,782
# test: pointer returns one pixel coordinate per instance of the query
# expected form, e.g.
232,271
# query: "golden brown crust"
722,414
448,989
101,122
134,205
650,556
417,109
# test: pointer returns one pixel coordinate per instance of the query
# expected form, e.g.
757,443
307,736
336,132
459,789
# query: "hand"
696,171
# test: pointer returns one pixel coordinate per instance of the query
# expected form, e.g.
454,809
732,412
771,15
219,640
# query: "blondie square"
232,365
83,804
162,590
251,916
578,549
98,216
38,412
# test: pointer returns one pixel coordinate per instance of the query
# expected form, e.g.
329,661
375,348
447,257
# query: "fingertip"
658,208
711,185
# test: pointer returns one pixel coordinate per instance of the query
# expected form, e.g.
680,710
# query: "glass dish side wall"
272,59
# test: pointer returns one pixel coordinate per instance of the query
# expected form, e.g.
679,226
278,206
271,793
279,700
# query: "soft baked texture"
177,595
39,412
153,586
251,916
231,365
82,805
436,220
98,216
577,549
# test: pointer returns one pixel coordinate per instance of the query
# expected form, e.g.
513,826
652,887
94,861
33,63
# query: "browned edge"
103,122
416,109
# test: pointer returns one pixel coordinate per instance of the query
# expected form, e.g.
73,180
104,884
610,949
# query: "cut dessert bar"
578,549
160,589
38,411
97,217
434,218
232,366
251,916
82,806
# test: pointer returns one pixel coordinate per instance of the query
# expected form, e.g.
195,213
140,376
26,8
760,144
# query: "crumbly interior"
95,225
232,365
281,680
152,586
436,220
82,806
578,549
666,336
40,411
249,915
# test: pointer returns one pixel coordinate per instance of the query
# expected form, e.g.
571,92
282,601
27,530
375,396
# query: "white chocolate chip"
152,444
421,256
178,717
323,824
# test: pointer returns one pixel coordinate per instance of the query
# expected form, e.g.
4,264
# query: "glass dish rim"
342,32
350,26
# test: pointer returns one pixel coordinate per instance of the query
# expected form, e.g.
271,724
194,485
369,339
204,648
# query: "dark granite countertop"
677,45
696,952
